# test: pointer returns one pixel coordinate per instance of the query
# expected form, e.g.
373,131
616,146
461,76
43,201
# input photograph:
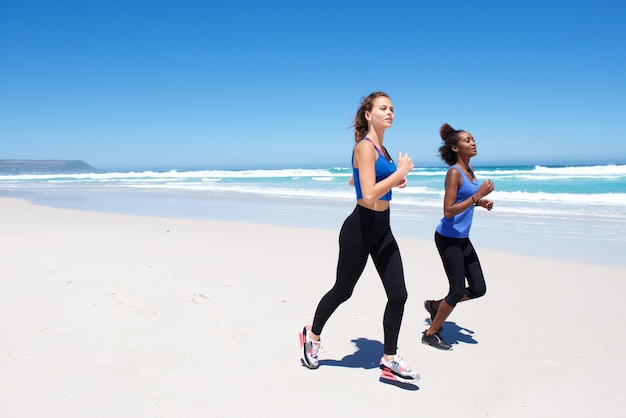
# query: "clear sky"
253,84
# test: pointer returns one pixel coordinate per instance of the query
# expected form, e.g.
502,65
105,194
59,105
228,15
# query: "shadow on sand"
367,356
368,352
454,334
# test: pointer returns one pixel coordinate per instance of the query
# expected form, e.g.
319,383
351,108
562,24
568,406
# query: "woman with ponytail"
460,261
367,232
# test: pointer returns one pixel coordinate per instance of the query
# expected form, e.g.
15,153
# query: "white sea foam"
545,173
523,190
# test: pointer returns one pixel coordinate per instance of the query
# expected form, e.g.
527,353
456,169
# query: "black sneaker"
436,341
428,305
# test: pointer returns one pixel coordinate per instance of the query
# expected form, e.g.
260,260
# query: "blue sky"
198,84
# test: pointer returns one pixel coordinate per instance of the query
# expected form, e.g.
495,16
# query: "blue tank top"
458,226
383,167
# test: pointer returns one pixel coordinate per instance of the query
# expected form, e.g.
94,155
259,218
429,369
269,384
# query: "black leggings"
460,261
366,232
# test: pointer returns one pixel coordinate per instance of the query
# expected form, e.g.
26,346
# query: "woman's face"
381,114
466,146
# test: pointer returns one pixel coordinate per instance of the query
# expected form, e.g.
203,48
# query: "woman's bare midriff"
378,206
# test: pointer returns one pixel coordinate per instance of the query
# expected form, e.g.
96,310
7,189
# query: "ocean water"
572,212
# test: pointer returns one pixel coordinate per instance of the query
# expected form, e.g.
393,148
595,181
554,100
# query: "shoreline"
125,315
595,241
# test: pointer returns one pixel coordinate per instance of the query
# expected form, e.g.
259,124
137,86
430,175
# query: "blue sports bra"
458,226
383,167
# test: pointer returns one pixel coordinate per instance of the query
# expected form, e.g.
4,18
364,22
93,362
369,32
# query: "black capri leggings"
366,232
460,261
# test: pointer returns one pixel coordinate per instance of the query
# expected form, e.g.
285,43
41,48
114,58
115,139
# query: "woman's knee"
398,298
343,295
455,296
339,294
477,293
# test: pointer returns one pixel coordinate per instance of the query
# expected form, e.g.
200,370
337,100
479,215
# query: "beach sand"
107,315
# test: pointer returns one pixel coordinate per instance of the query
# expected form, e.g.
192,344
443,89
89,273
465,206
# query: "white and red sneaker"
396,369
309,349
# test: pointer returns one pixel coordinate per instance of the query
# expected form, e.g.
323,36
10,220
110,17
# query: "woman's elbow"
368,201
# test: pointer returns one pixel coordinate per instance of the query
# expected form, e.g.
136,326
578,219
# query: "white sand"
107,315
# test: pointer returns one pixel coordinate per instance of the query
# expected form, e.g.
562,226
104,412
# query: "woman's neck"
463,163
375,136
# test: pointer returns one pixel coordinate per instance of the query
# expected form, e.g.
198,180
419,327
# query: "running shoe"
436,340
397,369
428,305
309,349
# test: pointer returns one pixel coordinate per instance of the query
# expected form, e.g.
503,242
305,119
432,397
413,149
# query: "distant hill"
45,167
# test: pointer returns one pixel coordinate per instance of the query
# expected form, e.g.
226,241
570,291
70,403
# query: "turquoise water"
570,212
